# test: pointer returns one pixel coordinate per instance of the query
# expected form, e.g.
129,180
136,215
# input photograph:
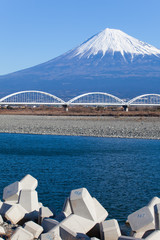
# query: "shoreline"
89,126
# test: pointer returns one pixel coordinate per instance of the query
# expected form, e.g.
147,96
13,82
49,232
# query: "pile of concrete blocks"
145,222
23,217
83,218
22,211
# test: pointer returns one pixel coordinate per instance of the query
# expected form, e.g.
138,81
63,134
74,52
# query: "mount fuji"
110,61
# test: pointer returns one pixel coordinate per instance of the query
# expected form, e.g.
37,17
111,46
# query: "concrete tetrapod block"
49,224
101,212
29,200
50,236
157,216
77,224
1,203
29,182
142,220
11,192
138,234
5,207
33,228
44,212
110,230
40,204
21,234
1,219
82,204
15,213
154,235
67,207
2,231
153,202
68,234
152,205
128,238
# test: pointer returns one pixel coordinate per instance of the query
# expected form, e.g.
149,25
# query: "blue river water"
123,174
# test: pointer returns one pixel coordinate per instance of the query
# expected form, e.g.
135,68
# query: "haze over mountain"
110,61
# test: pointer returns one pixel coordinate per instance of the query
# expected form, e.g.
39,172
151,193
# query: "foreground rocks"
23,217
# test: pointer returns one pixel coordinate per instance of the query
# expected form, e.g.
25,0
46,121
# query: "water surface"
123,174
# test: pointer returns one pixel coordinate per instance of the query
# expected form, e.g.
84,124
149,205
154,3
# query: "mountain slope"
110,61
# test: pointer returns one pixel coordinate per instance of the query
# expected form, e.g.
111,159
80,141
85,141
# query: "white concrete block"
55,230
1,219
48,224
138,234
78,224
154,235
142,220
29,200
128,238
40,204
2,231
29,183
94,238
67,207
82,204
1,203
50,236
44,212
157,216
11,192
153,203
33,228
101,212
5,207
15,213
110,230
21,234
68,234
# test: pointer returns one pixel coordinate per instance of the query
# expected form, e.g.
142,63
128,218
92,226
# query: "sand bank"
122,127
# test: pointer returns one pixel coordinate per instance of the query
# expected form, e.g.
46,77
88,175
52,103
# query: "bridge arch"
151,99
31,97
96,98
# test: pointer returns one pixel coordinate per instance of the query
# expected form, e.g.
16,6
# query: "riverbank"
121,127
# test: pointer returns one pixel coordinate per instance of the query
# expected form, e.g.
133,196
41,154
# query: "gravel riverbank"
122,127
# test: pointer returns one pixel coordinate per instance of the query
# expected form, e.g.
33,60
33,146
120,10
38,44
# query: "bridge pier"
125,108
65,106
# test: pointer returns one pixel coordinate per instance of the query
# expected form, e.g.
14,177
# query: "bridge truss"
96,98
31,98
145,100
88,99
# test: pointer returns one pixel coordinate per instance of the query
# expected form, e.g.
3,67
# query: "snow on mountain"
110,61
111,41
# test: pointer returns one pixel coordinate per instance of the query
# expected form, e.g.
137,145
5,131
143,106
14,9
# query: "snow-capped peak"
111,41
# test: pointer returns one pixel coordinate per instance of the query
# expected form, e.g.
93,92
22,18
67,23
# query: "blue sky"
35,31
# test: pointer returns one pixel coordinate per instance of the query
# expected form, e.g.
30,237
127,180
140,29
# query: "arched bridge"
145,100
96,98
88,99
31,98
